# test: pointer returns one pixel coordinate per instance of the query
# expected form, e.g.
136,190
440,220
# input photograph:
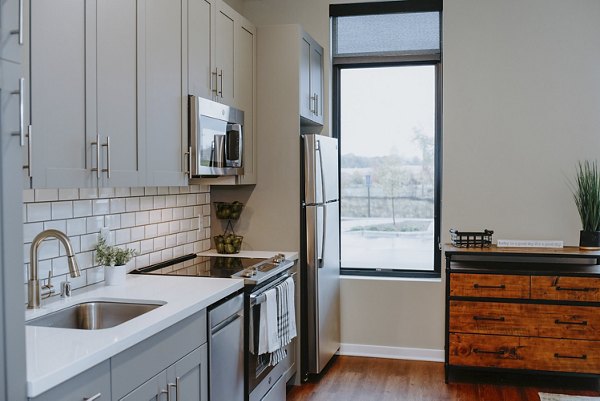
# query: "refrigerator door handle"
323,192
324,223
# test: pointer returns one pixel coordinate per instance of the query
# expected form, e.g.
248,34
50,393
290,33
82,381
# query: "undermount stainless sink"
93,315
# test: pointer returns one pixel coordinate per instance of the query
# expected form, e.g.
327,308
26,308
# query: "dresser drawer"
489,285
560,288
578,356
554,321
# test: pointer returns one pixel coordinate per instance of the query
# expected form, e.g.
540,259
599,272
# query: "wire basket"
471,239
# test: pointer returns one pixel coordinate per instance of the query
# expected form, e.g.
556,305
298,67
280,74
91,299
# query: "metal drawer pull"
500,287
107,146
583,289
93,398
496,319
19,30
480,351
557,355
20,92
581,323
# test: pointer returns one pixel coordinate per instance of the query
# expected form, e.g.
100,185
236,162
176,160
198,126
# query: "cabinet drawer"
560,288
553,321
577,356
489,285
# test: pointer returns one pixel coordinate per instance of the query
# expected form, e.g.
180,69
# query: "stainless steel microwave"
216,138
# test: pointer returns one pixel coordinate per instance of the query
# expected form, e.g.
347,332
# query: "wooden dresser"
523,310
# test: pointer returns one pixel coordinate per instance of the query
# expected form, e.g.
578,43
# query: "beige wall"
521,106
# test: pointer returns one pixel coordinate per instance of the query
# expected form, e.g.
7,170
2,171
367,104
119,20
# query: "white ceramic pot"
115,275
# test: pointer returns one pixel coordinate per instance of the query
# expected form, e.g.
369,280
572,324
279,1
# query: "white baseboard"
379,351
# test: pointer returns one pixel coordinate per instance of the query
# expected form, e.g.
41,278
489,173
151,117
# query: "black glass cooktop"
200,266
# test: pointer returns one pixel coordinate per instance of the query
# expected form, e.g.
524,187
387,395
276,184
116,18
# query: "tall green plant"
586,192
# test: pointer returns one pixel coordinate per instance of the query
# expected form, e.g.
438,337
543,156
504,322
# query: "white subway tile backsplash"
132,204
82,208
146,203
160,223
127,220
137,233
142,218
38,212
94,224
62,210
106,193
138,191
46,195
88,242
122,192
100,206
88,193
30,230
123,236
28,195
68,194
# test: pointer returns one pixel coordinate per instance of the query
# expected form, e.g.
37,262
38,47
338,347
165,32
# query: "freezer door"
320,169
323,285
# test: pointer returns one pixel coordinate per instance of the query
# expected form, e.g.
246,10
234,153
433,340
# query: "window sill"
388,278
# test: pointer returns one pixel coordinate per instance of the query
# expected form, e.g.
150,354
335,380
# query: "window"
387,115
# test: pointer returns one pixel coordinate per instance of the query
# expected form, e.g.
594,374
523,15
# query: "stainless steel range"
262,381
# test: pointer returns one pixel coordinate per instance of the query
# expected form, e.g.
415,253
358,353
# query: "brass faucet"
33,285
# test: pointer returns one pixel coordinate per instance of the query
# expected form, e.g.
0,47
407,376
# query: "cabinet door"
116,97
306,104
160,100
62,153
152,390
224,52
190,376
94,382
202,78
245,73
11,29
316,81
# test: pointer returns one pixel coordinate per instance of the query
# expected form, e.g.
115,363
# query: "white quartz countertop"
252,254
55,355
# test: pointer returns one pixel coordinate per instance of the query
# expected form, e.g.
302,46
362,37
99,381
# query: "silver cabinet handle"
169,386
29,164
19,30
316,104
177,387
107,146
93,398
167,392
20,91
215,89
221,91
311,102
188,172
97,144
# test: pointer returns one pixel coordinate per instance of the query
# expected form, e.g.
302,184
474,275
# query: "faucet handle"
48,289
65,289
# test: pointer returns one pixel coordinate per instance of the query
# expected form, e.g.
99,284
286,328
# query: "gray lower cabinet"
93,384
185,380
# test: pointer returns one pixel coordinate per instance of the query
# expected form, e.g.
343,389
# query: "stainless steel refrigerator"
320,252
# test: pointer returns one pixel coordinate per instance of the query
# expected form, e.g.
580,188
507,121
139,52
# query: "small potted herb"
114,259
586,192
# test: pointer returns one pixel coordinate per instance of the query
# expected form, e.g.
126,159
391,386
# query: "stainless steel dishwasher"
226,349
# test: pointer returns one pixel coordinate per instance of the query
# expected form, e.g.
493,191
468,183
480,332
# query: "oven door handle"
259,298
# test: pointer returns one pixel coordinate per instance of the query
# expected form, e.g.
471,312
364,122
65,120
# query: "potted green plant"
114,259
586,192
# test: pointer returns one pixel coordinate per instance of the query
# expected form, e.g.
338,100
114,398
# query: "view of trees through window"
387,134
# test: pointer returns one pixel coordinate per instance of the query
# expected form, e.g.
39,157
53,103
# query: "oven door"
261,375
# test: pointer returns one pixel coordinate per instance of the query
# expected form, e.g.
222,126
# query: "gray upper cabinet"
61,145
160,99
311,80
11,29
115,97
200,25
106,93
224,37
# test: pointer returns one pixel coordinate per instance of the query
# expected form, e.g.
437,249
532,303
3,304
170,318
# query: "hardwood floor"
366,379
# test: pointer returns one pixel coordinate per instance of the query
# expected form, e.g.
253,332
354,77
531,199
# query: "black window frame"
413,59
